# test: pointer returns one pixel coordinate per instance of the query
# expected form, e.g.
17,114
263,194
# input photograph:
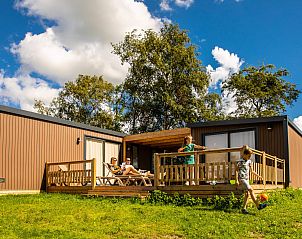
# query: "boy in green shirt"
190,147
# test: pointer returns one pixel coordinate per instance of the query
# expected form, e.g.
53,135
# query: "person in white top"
243,167
127,164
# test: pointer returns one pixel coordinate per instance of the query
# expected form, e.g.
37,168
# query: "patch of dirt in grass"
171,237
298,225
256,235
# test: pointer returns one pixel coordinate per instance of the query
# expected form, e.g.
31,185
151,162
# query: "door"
95,149
111,150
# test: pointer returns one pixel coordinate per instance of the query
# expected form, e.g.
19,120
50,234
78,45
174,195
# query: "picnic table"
2,180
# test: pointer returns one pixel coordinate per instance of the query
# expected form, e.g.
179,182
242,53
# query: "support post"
156,169
230,171
284,173
46,173
124,150
196,168
93,172
276,171
264,168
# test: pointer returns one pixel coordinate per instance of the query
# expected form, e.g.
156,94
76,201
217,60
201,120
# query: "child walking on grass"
243,167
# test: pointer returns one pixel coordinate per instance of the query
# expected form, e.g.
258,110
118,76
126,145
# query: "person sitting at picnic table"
127,164
117,170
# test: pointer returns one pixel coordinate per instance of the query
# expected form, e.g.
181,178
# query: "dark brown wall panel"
295,155
270,141
26,144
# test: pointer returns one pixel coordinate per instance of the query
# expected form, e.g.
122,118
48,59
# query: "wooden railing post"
46,172
230,171
196,169
264,168
276,171
284,172
93,173
156,169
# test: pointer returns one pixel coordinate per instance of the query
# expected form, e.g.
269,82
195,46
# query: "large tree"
166,83
89,100
261,91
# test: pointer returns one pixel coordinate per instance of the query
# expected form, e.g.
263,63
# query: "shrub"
284,195
225,203
218,202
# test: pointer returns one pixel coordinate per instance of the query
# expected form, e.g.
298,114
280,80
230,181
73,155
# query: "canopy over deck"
164,138
161,139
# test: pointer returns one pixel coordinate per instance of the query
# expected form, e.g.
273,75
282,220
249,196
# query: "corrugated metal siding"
295,155
270,141
26,144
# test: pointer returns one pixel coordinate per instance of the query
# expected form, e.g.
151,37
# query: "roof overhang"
160,139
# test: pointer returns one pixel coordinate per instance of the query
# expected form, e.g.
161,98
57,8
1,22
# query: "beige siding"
26,144
295,155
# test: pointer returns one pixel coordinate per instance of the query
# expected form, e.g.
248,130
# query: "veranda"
203,179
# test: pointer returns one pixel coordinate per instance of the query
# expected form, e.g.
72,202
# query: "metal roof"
237,121
246,121
46,118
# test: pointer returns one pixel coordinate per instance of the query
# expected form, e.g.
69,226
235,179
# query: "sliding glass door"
228,140
216,141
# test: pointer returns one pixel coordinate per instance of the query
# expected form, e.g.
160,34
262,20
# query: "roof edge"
237,121
32,115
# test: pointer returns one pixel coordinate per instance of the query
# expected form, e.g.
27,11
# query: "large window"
216,141
102,151
241,138
228,140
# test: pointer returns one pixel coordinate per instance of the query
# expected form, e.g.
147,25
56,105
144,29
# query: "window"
241,138
102,151
214,142
228,140
135,156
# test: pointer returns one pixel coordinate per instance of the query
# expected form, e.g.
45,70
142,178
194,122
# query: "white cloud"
165,6
184,3
80,42
229,63
24,89
298,122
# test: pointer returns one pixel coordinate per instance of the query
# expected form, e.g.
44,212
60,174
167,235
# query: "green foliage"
261,91
166,85
225,203
217,202
282,196
89,100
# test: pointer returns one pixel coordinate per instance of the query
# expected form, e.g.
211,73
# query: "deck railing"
71,173
168,172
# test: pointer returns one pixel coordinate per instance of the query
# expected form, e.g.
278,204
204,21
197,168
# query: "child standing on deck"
243,166
189,147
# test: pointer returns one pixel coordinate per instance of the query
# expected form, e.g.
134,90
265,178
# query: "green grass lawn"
71,216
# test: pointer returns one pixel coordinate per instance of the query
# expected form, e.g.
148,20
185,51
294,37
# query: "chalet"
29,140
277,136
34,145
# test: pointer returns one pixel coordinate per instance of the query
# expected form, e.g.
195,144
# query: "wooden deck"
202,191
210,179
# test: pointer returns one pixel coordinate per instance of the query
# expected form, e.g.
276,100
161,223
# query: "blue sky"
43,43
